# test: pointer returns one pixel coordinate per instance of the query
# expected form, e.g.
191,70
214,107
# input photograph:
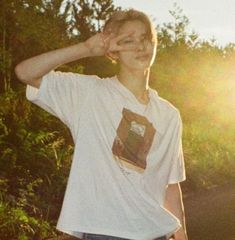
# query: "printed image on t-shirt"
133,141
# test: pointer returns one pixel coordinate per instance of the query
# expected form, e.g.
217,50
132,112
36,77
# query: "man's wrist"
81,50
87,48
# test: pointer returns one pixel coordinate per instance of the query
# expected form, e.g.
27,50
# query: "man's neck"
135,81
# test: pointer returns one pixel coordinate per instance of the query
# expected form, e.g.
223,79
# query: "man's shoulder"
165,105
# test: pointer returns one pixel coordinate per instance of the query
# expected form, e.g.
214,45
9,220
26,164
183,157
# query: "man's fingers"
114,38
112,42
108,36
123,35
126,48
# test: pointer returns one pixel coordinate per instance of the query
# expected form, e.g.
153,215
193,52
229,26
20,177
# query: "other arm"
174,203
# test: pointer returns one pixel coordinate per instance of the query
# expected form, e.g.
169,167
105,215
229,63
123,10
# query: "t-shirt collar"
128,94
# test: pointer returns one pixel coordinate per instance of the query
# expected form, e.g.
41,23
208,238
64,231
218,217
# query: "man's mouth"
142,57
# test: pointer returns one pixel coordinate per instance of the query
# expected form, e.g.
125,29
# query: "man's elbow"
20,74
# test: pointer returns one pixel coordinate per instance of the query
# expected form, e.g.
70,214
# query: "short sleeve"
177,171
62,94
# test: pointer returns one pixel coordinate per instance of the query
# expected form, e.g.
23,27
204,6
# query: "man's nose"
141,45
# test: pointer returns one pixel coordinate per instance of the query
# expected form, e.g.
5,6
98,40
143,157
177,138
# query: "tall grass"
209,155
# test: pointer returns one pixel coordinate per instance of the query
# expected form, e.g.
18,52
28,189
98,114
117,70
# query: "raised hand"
103,44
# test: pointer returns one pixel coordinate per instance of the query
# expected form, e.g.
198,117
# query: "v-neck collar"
128,94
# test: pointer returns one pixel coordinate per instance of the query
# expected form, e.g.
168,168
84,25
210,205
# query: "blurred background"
194,70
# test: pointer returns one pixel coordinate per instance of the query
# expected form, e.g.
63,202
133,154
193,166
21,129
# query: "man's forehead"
136,25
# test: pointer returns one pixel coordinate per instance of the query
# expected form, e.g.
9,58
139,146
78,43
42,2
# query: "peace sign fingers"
115,43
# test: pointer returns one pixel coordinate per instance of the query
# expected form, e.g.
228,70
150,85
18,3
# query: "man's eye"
127,41
146,39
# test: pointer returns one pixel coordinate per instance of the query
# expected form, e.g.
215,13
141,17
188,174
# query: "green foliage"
15,223
34,164
209,155
176,33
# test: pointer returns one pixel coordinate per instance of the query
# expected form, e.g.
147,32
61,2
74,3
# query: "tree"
176,32
28,28
102,11
85,17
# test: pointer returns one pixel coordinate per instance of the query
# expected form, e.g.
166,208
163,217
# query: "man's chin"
143,65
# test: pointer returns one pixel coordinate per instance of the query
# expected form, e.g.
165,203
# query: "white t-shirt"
126,153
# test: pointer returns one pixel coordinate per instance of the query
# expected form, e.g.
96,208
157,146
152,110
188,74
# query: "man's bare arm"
31,71
174,203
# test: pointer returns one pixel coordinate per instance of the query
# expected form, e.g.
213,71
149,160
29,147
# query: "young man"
128,160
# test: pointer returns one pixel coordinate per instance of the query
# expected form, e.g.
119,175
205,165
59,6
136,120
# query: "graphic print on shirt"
133,141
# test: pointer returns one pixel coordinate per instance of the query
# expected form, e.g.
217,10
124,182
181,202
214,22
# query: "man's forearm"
174,203
38,66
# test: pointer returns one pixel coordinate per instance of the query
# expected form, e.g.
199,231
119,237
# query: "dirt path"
211,214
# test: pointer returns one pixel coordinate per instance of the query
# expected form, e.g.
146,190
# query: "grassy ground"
211,214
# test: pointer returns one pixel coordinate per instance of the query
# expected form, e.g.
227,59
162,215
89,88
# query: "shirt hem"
80,231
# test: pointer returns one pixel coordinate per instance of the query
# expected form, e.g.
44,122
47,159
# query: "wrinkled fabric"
125,155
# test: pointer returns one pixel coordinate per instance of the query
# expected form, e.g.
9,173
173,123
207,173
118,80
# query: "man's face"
145,50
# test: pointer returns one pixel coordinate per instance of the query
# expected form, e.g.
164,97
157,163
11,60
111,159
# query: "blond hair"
116,21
